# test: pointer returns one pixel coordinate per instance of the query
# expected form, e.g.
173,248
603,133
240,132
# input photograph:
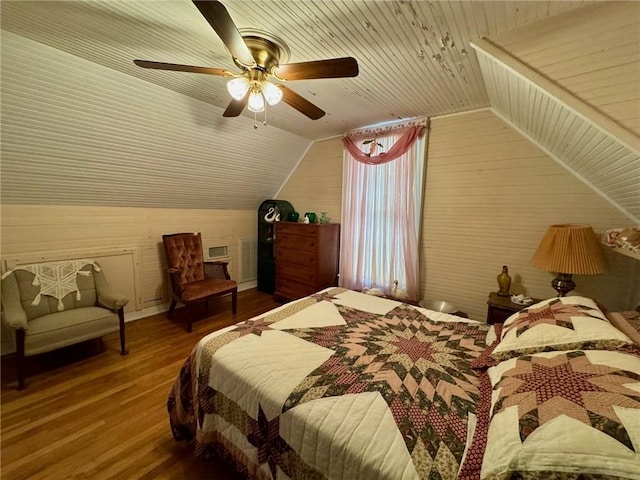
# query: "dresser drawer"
299,273
285,228
297,242
296,257
290,289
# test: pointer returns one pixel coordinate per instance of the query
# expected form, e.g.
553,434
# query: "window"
381,210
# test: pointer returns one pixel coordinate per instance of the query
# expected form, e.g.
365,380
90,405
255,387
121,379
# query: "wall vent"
219,252
248,259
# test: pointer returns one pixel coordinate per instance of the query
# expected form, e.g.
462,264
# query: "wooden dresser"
306,258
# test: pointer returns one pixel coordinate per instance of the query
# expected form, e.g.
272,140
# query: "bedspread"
335,385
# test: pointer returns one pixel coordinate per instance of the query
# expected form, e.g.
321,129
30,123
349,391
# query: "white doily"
57,279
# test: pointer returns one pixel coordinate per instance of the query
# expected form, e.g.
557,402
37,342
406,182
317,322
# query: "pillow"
575,412
563,323
627,322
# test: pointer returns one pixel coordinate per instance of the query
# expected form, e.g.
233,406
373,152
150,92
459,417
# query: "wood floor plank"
89,414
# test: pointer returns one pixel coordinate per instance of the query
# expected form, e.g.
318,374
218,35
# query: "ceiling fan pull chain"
255,120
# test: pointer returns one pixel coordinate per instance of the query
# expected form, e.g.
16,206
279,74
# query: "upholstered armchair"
192,279
55,304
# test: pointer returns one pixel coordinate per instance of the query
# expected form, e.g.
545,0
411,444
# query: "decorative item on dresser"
500,308
306,258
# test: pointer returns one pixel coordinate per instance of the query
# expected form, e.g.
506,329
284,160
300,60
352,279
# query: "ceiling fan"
259,56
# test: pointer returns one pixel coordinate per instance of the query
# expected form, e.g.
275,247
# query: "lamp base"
563,284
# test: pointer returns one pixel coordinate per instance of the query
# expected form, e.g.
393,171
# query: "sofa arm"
111,300
13,315
106,296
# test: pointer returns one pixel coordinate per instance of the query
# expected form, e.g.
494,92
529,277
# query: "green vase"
504,282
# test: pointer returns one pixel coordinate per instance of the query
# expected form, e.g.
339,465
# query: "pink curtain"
400,147
381,209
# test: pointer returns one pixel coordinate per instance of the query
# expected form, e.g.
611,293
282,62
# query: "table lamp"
568,249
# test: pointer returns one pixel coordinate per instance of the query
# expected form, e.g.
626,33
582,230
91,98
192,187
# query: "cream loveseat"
55,304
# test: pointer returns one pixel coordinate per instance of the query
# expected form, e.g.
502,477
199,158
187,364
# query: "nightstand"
501,308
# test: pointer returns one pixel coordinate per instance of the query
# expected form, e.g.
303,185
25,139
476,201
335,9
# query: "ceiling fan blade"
183,68
332,68
300,103
236,106
216,14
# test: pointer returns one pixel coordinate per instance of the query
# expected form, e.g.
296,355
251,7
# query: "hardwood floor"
103,416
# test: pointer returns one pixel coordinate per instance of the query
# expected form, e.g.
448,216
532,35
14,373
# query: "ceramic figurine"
270,215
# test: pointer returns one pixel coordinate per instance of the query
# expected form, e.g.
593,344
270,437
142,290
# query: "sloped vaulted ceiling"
544,89
82,125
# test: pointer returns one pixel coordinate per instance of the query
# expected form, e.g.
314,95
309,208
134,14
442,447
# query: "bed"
345,385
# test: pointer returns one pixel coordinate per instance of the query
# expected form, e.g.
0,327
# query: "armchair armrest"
217,269
176,284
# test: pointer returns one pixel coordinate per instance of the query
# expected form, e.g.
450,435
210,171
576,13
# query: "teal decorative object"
323,217
293,217
311,216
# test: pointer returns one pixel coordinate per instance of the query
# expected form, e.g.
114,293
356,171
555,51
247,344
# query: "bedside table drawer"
500,308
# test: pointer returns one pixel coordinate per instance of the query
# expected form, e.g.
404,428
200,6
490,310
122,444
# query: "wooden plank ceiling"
415,58
81,124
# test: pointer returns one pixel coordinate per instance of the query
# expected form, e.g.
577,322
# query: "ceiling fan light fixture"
272,93
256,101
238,87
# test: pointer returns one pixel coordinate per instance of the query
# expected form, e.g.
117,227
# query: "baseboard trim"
7,348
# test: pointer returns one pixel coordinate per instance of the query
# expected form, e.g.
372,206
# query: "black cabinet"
267,214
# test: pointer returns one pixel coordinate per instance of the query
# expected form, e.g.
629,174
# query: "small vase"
504,282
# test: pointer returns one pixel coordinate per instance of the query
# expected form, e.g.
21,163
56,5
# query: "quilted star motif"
265,436
553,313
417,365
568,384
328,295
256,327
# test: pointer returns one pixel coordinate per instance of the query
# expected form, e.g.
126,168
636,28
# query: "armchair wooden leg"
20,361
172,307
234,301
123,348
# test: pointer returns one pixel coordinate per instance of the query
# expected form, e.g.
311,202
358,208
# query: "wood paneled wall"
316,184
490,194
46,228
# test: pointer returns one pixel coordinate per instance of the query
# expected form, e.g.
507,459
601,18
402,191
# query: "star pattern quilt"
343,385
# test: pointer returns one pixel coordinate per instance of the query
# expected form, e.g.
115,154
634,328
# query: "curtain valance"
414,129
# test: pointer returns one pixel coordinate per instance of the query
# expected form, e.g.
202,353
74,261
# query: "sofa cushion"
60,329
47,304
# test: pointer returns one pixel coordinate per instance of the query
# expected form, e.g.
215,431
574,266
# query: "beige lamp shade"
571,249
